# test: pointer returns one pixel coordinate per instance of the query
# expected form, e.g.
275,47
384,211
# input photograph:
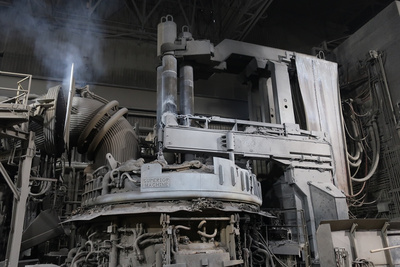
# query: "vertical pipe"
166,79
169,89
113,260
159,96
186,92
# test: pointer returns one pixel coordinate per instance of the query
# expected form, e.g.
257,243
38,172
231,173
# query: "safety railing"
17,95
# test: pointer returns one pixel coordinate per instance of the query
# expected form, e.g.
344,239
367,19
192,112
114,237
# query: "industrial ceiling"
288,24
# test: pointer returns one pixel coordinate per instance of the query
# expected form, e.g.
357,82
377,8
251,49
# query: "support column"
169,89
267,100
19,206
186,92
282,92
159,96
385,243
262,89
352,236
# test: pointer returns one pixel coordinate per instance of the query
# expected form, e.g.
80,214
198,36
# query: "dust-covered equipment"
212,191
199,201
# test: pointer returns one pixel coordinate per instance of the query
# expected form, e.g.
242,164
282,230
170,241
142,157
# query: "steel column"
282,92
19,207
9,181
169,88
159,95
186,92
352,236
385,243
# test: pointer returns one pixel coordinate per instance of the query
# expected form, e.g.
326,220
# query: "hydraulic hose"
376,153
359,149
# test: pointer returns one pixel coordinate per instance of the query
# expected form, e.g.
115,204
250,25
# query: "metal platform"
14,109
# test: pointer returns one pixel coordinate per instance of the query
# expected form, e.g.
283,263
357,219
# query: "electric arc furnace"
199,190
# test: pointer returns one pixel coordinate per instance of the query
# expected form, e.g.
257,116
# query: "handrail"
22,94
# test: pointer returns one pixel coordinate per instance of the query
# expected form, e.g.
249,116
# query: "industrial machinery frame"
199,200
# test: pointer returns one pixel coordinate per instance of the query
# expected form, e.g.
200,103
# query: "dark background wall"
113,43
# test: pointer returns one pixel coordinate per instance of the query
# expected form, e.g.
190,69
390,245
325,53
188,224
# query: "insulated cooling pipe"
186,92
167,80
167,73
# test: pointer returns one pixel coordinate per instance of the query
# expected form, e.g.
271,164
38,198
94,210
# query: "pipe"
359,148
169,89
208,235
376,152
181,227
357,156
201,224
148,242
355,164
78,255
127,175
136,242
159,96
72,253
186,92
268,255
113,257
382,68
383,249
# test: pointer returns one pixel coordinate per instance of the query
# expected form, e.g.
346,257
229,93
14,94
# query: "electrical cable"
376,153
359,192
266,247
355,172
361,203
355,113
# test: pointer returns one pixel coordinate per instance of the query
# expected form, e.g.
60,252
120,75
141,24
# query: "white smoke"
57,41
